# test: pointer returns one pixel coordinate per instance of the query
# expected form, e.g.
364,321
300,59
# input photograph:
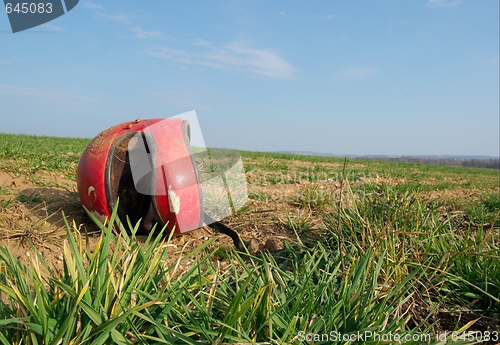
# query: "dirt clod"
274,244
253,245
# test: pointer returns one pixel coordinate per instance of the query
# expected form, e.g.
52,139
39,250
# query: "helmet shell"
105,174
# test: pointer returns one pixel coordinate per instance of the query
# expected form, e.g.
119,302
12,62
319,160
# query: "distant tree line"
482,163
473,163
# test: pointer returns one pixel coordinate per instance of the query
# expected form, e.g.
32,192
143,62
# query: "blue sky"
417,77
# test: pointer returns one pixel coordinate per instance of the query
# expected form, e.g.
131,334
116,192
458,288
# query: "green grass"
484,211
464,262
32,198
492,203
4,204
314,196
261,197
385,259
4,190
413,173
23,154
125,292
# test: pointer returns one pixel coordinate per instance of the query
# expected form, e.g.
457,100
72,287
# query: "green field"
374,253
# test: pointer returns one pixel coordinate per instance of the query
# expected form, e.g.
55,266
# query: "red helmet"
165,187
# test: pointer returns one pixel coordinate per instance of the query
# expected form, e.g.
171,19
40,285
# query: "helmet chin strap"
218,226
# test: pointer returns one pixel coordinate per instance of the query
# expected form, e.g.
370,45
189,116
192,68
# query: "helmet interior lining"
120,186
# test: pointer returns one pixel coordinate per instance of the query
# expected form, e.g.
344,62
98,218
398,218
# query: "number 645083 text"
29,7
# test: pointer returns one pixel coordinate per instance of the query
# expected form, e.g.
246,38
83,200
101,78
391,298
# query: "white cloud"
5,62
442,3
116,17
359,72
50,27
236,56
143,34
93,6
51,97
170,54
200,42
119,17
281,13
328,17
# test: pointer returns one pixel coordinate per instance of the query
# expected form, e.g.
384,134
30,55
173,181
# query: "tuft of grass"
314,196
492,203
485,212
100,297
462,265
126,292
4,190
6,203
33,197
261,196
300,225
